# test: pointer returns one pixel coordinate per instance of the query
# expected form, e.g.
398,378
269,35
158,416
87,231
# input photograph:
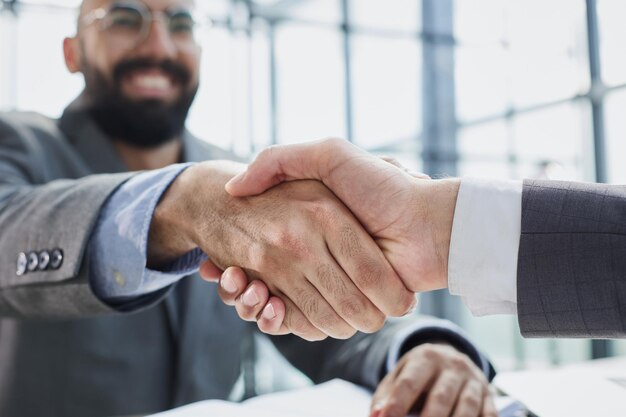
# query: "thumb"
277,164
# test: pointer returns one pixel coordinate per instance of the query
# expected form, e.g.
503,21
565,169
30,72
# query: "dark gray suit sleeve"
37,214
571,277
363,359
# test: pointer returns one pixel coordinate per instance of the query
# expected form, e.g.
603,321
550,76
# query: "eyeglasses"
127,24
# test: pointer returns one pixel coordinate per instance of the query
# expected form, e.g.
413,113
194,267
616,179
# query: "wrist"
443,198
192,212
168,238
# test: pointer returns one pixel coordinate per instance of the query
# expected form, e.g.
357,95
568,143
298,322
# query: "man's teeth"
153,82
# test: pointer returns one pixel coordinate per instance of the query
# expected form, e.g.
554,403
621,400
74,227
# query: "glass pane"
311,90
484,169
47,93
212,115
402,15
386,81
479,21
486,139
7,66
558,134
327,11
216,9
482,86
261,89
60,3
611,18
548,50
616,136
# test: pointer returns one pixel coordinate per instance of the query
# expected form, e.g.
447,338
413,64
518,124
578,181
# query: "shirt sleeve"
436,331
482,263
118,245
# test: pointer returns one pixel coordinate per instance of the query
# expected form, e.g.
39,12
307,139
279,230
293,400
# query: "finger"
408,386
489,407
363,261
443,394
470,402
251,303
317,310
297,323
383,389
232,284
276,164
271,319
346,299
210,272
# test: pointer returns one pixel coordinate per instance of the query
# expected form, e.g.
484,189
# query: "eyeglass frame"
149,17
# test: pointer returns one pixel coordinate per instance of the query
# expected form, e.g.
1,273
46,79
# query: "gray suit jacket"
571,277
91,360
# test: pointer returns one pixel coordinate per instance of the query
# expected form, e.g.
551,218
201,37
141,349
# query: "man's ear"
71,51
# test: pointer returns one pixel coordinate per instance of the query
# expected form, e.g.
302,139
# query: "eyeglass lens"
128,24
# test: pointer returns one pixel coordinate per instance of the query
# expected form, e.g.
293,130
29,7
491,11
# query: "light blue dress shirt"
118,246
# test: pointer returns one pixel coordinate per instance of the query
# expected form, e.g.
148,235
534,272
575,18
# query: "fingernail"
412,308
379,405
268,312
377,409
249,298
228,284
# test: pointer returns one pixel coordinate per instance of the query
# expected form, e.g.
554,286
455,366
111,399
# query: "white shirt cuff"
482,264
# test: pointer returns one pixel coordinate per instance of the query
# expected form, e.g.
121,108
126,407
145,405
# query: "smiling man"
107,213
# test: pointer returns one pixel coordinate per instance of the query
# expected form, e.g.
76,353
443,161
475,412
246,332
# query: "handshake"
318,239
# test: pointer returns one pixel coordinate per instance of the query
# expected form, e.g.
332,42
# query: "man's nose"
158,44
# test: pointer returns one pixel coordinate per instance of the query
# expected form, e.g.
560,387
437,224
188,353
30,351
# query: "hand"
268,312
436,380
410,218
298,238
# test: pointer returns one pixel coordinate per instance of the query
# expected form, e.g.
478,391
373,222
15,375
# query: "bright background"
494,88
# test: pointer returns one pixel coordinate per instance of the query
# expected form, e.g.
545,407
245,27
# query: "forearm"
191,212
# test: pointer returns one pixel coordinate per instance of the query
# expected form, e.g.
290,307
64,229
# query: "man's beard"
145,123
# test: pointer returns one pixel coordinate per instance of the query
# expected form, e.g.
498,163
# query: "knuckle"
430,352
460,363
350,308
408,382
470,401
330,323
288,240
330,280
403,304
368,275
308,304
442,395
259,257
298,325
374,322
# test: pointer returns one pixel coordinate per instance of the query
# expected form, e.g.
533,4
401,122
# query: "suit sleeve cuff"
482,263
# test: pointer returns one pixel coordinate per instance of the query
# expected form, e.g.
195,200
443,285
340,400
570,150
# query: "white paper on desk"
574,391
336,398
333,399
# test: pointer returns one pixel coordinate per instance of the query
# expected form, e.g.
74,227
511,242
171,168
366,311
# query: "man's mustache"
176,71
